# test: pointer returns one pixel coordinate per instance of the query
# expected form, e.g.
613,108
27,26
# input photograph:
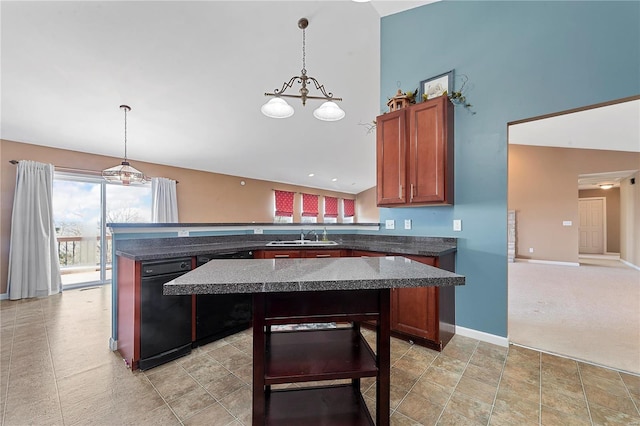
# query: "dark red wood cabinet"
423,315
414,149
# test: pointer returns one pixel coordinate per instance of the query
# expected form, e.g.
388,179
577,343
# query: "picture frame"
436,86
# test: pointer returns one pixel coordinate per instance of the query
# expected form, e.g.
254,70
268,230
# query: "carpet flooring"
589,312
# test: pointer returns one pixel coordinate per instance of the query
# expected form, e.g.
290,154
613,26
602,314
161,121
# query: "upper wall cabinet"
415,155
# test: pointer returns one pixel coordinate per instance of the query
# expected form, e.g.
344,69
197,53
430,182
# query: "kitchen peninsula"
422,315
312,290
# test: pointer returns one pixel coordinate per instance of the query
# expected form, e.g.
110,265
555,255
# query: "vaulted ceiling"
195,74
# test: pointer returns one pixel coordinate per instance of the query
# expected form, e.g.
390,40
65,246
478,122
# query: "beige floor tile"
432,391
621,403
43,411
613,386
411,366
523,373
420,409
173,385
515,412
398,419
606,416
191,403
213,415
451,418
484,375
223,386
204,369
238,403
402,379
632,382
470,408
448,363
512,389
442,377
554,417
476,389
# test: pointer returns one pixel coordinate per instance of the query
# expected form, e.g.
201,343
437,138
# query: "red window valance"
309,205
330,207
349,207
284,203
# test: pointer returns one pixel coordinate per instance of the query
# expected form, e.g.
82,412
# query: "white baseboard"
548,262
482,336
4,296
605,256
629,264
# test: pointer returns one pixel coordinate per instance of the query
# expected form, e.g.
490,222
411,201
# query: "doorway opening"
82,206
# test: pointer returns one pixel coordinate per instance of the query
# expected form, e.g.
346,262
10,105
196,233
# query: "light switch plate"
183,233
390,224
567,223
457,225
407,224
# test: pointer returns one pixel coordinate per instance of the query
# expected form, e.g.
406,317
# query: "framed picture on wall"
436,86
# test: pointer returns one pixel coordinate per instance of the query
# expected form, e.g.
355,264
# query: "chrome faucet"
312,232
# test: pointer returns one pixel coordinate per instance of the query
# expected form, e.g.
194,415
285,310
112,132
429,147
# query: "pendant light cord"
304,51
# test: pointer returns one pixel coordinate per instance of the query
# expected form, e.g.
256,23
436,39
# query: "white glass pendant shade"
277,108
124,174
329,111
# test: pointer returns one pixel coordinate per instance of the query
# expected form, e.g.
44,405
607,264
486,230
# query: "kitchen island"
325,290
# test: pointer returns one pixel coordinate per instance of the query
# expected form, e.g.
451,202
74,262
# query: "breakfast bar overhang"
325,290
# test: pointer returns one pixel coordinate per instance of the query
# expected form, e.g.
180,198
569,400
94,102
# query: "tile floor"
55,368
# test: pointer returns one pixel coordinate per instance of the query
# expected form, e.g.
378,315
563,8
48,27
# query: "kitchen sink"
308,243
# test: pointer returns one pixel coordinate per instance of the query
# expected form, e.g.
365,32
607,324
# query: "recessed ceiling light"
334,180
606,186
311,175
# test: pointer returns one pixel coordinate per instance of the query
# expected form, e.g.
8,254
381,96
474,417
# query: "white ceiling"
194,74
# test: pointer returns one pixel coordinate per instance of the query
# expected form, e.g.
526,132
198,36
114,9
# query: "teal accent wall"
523,59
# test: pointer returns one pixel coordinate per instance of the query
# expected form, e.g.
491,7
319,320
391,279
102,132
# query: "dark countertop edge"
261,224
227,247
284,287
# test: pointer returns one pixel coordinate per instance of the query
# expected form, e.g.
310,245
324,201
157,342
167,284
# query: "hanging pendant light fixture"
279,108
124,173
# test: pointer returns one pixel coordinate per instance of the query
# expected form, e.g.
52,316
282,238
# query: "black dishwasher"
220,315
165,321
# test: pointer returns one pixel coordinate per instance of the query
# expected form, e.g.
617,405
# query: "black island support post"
329,290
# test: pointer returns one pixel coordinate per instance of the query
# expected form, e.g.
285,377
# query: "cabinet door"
414,311
391,158
430,153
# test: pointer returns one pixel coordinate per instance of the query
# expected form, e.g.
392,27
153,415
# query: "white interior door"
591,228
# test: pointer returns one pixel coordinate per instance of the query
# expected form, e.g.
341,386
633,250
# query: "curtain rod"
71,169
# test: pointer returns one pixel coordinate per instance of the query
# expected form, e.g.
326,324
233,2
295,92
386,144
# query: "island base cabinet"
425,315
302,356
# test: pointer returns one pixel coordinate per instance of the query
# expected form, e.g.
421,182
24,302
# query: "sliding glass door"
82,206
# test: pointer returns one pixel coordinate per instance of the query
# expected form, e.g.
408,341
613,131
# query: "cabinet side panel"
391,158
128,312
447,301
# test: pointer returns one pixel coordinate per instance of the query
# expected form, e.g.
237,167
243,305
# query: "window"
349,210
330,210
283,207
82,206
309,208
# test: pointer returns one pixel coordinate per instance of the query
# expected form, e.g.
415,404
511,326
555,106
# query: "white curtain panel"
34,267
164,201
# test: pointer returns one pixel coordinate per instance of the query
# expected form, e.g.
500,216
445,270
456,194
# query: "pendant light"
124,173
279,108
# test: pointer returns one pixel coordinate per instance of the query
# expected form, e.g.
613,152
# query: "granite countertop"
156,249
220,276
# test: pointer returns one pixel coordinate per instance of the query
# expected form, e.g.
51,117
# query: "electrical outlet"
183,233
407,224
530,249
390,224
567,223
457,225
